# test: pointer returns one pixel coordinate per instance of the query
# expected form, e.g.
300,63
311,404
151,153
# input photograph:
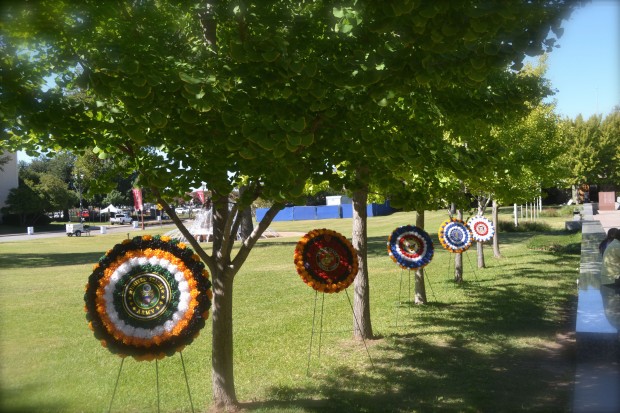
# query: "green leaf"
141,92
237,52
230,119
188,79
139,81
153,79
294,140
129,66
247,153
296,67
338,13
158,119
265,141
310,69
307,139
193,88
189,116
299,124
271,56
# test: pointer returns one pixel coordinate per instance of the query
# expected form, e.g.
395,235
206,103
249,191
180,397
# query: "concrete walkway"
597,374
608,219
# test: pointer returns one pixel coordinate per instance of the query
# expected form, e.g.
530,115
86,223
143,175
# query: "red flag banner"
137,198
201,196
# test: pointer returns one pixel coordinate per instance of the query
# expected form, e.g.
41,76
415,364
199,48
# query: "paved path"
608,219
597,370
110,229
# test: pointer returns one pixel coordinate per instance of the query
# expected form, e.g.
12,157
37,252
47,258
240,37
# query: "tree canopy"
265,96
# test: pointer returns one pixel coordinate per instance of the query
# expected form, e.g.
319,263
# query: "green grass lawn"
489,344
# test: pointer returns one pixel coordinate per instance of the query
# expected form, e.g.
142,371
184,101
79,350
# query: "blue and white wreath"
454,235
410,247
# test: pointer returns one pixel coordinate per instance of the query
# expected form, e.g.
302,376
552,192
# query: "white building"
8,177
337,200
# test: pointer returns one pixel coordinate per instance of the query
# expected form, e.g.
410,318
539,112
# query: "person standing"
611,260
610,237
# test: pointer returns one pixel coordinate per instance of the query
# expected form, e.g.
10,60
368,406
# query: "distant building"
8,177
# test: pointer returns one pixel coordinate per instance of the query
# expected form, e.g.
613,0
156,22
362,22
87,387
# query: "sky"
585,69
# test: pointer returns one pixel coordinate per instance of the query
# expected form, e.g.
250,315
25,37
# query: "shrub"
561,242
525,226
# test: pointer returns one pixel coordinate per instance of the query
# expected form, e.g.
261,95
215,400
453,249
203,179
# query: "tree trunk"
247,226
419,286
495,214
575,194
458,258
362,328
480,253
480,245
224,394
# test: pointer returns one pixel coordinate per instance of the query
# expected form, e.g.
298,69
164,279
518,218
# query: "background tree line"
50,185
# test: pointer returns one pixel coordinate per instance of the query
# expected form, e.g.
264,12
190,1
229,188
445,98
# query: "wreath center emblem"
481,228
146,296
456,235
327,259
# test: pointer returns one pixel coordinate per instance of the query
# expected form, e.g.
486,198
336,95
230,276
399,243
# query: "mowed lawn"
500,341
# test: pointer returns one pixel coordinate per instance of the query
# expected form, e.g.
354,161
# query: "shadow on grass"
14,261
12,401
459,357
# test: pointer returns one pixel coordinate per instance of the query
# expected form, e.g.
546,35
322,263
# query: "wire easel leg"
116,384
472,267
429,283
316,294
400,288
186,382
321,326
409,292
359,328
157,380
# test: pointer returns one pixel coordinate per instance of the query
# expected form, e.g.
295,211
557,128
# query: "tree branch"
206,258
209,26
248,243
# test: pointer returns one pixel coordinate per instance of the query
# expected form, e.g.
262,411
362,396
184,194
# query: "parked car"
121,219
182,210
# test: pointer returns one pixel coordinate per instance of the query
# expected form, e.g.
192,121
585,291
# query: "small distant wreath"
481,228
326,260
148,297
410,247
454,235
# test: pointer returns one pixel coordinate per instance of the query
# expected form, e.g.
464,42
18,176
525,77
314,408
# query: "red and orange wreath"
326,260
